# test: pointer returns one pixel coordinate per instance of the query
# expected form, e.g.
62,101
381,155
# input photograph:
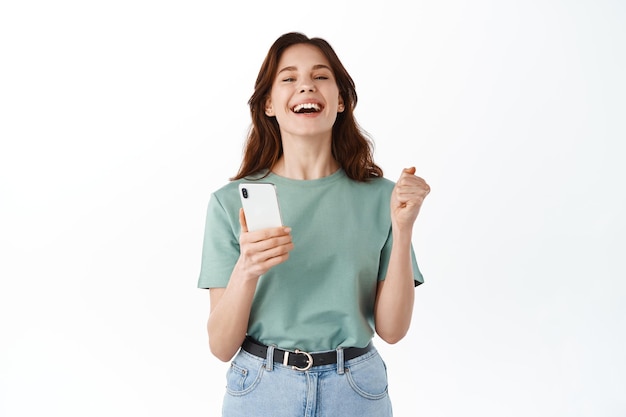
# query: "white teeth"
299,107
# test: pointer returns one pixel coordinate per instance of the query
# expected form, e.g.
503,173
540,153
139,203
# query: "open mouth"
307,108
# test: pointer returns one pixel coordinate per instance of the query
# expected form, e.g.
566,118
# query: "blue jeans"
258,388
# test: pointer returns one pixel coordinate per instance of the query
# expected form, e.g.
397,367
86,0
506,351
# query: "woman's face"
304,98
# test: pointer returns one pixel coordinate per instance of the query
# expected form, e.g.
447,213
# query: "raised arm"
395,294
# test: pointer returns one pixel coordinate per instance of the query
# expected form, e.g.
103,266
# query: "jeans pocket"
368,378
241,379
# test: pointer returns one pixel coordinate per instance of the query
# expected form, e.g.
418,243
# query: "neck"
306,158
305,168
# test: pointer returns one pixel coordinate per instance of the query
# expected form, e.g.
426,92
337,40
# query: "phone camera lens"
244,192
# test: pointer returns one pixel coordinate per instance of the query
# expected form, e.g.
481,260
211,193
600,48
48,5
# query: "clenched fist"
407,198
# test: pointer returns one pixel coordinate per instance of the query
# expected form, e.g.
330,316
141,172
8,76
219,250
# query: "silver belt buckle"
309,360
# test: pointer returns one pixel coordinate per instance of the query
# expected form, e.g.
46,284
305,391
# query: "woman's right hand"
261,250
230,307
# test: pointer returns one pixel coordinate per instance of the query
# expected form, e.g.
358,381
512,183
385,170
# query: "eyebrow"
315,67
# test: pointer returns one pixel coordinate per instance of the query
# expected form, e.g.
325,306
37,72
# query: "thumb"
409,171
242,221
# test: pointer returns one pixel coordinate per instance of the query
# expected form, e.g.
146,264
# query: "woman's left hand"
407,198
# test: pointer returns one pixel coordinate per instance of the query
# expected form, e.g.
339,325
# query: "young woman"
297,306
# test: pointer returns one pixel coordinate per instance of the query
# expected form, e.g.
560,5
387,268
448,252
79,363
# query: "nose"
307,85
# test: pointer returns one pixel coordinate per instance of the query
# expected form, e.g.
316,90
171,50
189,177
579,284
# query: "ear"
341,107
269,110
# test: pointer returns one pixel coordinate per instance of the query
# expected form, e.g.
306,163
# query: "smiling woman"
304,97
278,76
297,306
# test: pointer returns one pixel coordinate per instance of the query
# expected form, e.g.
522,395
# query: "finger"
408,181
407,174
242,221
262,245
278,250
418,191
263,235
410,192
410,170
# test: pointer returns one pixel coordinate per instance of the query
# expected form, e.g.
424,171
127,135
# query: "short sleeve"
385,254
220,248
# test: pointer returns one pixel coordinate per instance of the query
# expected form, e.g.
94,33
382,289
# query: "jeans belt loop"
269,365
340,361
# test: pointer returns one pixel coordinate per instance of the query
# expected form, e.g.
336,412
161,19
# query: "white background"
119,118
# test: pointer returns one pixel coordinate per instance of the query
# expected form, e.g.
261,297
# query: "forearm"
230,313
230,307
395,296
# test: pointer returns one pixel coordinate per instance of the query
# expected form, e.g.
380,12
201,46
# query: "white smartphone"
260,205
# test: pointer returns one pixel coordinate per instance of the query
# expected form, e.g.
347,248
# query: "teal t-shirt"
323,296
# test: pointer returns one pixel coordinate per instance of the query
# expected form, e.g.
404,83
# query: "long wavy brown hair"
352,147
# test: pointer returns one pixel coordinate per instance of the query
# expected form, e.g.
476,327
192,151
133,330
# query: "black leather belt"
299,360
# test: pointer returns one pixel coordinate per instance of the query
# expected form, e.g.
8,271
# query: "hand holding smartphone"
260,205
